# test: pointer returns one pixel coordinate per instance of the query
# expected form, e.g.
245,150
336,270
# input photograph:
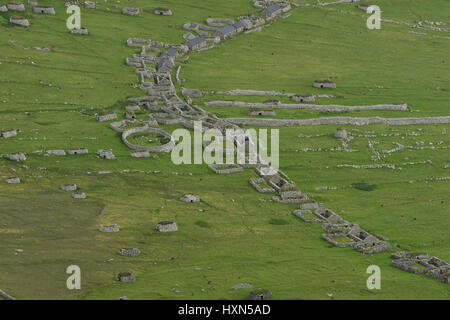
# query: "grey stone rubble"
366,166
398,107
13,180
133,107
191,93
421,263
340,133
242,286
56,152
255,182
3,8
130,11
110,228
8,133
20,21
81,195
189,197
82,31
260,295
18,156
89,4
225,168
140,154
166,226
68,187
129,252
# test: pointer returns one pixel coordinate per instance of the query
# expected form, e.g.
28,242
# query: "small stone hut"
340,133
44,9
106,154
16,6
68,187
271,11
19,21
163,11
324,84
8,133
13,180
225,32
106,117
129,252
75,151
197,43
126,277
260,295
130,11
166,226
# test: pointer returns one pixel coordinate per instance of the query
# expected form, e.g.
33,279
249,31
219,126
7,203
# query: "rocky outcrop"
189,197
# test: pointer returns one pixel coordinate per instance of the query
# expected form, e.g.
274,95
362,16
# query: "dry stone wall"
339,121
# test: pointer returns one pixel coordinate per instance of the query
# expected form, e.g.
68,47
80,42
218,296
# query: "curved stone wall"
163,148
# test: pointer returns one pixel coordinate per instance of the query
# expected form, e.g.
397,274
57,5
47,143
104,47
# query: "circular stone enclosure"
162,148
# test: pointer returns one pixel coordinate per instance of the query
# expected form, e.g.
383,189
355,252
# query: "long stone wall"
240,104
339,121
6,296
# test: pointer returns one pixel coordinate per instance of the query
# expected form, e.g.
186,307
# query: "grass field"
234,235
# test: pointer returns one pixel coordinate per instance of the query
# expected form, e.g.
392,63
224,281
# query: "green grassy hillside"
234,235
